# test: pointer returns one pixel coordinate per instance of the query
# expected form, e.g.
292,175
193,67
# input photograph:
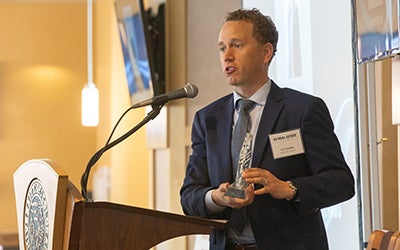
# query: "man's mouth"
230,69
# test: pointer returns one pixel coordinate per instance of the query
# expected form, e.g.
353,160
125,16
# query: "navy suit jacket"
321,174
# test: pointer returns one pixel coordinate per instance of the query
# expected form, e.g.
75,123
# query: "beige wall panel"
204,19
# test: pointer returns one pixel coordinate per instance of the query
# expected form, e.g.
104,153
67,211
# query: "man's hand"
219,197
271,185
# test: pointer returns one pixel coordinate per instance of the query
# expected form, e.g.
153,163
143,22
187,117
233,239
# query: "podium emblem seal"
36,217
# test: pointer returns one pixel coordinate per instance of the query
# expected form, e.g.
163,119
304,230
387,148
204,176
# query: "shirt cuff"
211,206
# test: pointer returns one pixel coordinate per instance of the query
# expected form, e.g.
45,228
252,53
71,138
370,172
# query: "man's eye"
221,49
237,45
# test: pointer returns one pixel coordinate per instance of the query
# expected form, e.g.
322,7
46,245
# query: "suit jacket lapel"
225,121
268,119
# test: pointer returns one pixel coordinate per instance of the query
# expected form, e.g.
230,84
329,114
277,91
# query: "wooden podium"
52,215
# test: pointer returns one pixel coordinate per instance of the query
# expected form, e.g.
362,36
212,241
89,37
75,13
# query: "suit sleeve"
197,182
331,180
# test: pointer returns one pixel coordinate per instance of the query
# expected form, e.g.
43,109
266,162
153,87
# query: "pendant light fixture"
90,94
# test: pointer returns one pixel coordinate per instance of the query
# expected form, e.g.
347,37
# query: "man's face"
244,60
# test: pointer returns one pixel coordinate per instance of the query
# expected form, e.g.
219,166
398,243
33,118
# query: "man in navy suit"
297,166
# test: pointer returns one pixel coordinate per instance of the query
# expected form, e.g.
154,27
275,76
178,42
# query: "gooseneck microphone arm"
157,102
85,176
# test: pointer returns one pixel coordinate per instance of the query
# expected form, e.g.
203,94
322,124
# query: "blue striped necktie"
242,127
238,218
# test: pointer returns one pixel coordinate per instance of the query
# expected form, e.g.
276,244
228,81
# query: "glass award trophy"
237,188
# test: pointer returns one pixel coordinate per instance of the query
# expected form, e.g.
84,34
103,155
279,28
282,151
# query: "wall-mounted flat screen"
377,29
142,41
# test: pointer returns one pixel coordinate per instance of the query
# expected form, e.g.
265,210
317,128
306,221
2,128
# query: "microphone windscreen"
191,90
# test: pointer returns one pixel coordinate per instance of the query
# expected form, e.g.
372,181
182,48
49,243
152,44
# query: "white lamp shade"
90,105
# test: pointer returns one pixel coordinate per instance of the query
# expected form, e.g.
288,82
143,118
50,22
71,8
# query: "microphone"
188,91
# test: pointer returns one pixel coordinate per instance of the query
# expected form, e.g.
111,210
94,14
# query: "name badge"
287,143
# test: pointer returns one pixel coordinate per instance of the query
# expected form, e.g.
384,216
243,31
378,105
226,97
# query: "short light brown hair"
264,29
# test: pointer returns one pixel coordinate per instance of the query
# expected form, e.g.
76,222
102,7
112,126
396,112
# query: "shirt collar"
259,97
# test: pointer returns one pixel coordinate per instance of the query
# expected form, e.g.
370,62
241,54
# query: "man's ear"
268,52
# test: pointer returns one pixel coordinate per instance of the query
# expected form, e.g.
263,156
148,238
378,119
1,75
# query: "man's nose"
228,55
